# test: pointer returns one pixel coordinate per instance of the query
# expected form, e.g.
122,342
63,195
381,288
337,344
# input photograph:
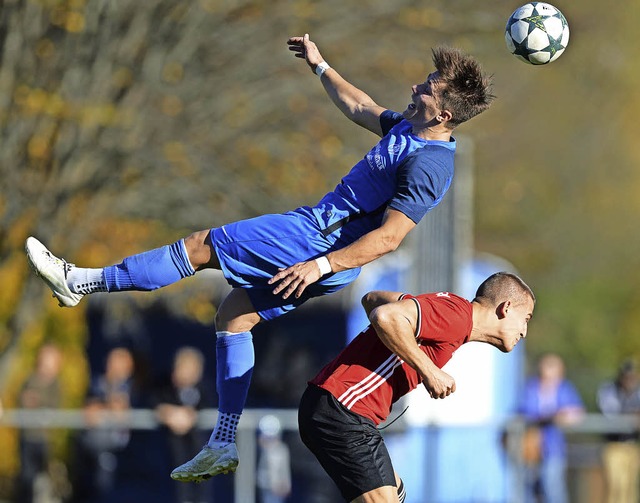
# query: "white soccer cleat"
52,270
208,463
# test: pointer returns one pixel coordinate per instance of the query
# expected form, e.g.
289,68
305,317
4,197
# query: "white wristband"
321,68
324,265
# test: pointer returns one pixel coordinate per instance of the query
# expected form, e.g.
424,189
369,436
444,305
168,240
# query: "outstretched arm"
352,102
386,238
396,324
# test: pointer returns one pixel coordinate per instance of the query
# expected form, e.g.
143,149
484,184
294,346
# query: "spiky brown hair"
467,91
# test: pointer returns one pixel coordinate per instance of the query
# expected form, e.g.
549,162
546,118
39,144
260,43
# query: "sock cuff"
180,257
224,333
117,278
225,339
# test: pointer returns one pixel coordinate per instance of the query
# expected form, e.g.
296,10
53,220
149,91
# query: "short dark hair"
467,91
503,286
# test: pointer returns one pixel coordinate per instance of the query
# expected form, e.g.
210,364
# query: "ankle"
225,431
84,281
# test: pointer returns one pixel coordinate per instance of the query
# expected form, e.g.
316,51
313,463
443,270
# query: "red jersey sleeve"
445,321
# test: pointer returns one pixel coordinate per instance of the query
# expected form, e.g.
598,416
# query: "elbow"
395,227
393,245
367,301
373,317
370,301
389,238
379,316
389,243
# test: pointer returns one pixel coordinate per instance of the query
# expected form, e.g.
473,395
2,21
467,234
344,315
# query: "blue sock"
150,270
234,367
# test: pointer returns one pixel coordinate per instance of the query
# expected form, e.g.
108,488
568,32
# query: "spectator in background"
40,391
274,464
107,404
621,454
177,409
549,402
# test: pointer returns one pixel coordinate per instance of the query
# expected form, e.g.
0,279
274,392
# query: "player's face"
514,324
424,100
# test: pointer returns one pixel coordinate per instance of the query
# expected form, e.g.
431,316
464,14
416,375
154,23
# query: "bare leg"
201,251
236,313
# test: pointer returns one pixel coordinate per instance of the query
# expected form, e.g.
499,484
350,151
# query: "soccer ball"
537,33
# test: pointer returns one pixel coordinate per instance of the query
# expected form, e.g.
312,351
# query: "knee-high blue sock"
150,270
234,360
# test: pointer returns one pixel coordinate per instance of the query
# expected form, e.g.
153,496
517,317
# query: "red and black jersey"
367,378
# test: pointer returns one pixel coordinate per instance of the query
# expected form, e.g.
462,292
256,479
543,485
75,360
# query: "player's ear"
444,116
502,309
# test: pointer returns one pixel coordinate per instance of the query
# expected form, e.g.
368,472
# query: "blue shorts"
251,252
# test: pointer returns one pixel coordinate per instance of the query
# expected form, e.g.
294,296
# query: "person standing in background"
549,402
621,454
177,409
41,391
107,435
274,462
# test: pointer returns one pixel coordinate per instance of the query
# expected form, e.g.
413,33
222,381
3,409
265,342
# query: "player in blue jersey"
277,262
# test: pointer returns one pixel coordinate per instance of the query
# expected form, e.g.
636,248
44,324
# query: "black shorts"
348,446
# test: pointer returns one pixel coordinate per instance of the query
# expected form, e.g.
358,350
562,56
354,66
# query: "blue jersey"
401,171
